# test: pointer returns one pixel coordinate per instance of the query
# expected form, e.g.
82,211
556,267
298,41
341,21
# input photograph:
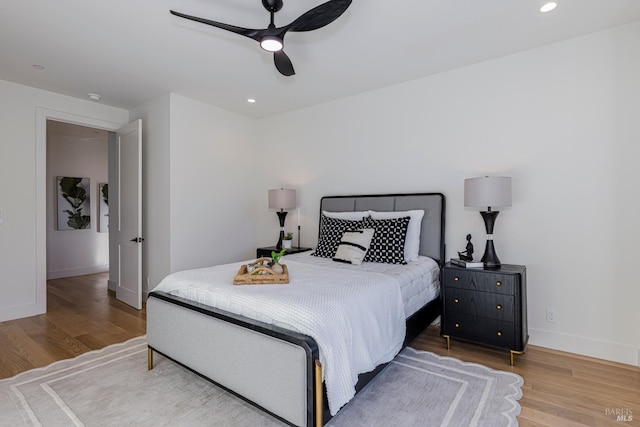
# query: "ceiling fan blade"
283,63
247,32
320,16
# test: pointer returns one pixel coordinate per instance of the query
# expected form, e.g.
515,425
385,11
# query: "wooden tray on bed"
269,277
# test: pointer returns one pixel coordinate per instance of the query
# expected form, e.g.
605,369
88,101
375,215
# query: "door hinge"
137,240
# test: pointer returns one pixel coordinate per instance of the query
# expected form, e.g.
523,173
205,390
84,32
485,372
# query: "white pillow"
353,246
352,216
412,242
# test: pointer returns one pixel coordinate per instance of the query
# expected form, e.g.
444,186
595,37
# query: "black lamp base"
281,216
490,258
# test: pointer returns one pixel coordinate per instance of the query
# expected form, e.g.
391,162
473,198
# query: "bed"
276,363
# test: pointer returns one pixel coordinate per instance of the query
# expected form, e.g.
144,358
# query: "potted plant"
275,261
286,240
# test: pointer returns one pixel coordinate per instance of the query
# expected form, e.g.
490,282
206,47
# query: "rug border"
80,356
516,383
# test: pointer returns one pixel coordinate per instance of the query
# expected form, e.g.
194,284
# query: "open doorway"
125,204
77,200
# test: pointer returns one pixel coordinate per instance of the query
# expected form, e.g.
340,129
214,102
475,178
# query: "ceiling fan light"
271,43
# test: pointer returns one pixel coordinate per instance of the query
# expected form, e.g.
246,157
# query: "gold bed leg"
149,358
448,339
318,391
512,353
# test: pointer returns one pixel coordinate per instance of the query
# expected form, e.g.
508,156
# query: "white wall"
200,185
215,180
562,120
76,252
156,199
23,113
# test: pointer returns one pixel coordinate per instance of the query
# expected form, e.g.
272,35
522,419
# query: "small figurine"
468,254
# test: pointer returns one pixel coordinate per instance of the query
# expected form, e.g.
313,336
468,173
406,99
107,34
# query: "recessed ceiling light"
251,101
38,67
548,7
94,96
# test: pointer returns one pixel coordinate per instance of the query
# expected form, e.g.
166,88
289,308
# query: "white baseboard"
586,346
18,312
71,272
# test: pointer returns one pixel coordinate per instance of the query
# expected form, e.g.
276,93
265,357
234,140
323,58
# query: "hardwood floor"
81,316
560,389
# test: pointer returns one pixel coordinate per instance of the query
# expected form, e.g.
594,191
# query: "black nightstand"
266,251
487,307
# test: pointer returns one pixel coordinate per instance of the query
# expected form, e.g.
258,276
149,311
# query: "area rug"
112,387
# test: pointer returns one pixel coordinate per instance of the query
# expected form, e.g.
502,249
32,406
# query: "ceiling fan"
272,37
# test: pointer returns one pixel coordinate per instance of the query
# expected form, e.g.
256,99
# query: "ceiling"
131,52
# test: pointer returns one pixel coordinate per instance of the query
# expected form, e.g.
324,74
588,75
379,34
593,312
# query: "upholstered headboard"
433,204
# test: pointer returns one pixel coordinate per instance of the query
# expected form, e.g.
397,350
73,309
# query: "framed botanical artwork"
103,207
73,208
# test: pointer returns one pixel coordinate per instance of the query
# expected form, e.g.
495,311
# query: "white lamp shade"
487,191
282,199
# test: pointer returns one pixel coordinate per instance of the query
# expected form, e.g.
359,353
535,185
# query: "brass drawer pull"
456,300
498,283
499,333
499,307
457,325
456,278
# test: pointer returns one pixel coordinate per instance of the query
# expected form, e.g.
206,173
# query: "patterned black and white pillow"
331,230
387,245
353,246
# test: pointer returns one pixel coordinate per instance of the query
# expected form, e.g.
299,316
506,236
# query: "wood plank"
531,416
82,315
12,360
23,346
92,341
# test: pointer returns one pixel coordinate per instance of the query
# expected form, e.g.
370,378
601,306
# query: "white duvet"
356,318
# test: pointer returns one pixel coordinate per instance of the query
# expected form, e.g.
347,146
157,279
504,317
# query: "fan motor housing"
272,5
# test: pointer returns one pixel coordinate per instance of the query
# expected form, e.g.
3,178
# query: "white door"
129,214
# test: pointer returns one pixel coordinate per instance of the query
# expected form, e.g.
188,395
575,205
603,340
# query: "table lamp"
282,199
488,191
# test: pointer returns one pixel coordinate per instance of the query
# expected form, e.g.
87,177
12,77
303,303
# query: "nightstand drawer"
480,280
483,304
481,330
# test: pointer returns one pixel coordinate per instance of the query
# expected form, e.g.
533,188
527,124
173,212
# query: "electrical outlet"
551,315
